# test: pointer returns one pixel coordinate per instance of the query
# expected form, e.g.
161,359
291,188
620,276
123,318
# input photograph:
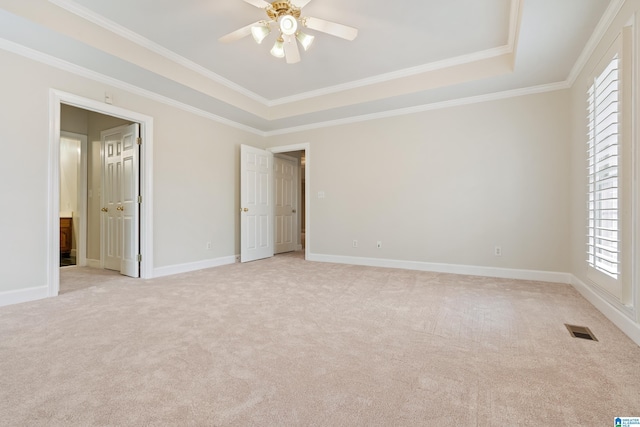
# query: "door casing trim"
306,147
56,98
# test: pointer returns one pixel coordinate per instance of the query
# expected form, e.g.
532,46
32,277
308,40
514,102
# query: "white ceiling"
409,54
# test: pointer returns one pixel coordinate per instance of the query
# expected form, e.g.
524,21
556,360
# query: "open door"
121,202
286,203
256,209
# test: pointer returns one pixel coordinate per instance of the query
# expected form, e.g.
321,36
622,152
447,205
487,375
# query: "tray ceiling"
422,53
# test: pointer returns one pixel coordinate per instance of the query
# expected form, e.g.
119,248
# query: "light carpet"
286,342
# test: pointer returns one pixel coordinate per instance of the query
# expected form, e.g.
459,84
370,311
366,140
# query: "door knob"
294,211
120,208
105,209
246,209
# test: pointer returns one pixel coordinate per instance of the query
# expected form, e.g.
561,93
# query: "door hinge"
139,199
139,141
139,257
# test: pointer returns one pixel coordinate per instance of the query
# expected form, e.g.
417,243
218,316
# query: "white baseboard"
614,314
193,266
471,270
23,295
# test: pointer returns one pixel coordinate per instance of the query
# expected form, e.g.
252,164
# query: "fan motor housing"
280,8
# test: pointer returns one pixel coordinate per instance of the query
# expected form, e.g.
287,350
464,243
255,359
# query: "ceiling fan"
285,15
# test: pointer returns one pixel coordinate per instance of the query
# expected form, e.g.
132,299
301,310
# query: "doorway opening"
288,171
301,154
73,201
261,207
80,205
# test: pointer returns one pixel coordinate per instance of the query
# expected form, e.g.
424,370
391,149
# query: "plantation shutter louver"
603,252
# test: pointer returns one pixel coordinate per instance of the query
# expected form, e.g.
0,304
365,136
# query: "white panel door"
111,194
121,210
256,209
286,191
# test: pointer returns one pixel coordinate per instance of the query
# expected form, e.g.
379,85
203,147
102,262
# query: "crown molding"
427,107
63,65
603,25
97,19
91,16
395,75
52,61
515,19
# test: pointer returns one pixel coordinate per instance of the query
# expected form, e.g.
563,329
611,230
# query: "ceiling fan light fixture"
305,39
285,16
278,48
288,25
260,32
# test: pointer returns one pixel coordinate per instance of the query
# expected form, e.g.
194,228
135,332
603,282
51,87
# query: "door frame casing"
306,147
56,98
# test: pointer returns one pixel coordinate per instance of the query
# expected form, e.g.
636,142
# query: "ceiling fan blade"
238,34
338,30
258,3
300,3
291,50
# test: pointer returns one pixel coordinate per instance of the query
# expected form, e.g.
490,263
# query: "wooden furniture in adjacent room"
65,236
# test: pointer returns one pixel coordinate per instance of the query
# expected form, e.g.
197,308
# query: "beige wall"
442,186
446,186
74,120
196,174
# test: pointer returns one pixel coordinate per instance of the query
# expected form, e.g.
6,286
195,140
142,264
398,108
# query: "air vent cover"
581,332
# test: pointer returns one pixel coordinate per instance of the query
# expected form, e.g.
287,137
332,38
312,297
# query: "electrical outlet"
355,243
497,251
379,244
208,245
